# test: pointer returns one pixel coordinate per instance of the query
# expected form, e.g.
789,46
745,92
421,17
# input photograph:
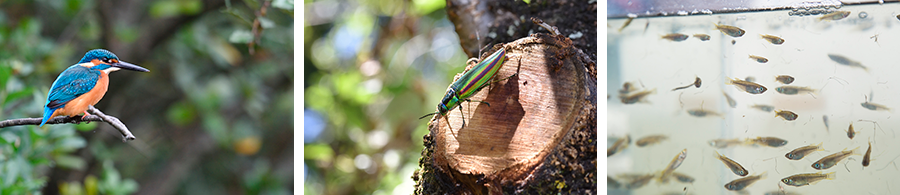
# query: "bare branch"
126,135
97,116
257,26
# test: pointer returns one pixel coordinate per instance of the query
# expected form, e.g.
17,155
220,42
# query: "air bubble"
863,15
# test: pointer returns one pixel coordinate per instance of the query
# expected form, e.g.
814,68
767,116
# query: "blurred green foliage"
209,117
372,68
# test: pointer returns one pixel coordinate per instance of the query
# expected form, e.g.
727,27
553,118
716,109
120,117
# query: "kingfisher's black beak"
129,66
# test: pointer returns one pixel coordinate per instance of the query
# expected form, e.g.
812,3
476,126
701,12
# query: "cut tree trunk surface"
501,145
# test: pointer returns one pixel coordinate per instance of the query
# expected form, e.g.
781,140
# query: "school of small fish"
630,95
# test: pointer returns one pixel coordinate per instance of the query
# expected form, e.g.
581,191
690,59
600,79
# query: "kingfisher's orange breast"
80,104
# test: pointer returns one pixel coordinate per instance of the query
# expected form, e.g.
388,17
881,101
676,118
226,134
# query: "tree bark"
529,118
538,136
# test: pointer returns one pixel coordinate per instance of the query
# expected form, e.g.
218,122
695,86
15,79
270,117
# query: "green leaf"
216,126
190,7
90,185
112,182
241,36
8,137
317,152
5,72
86,126
126,35
71,162
71,188
427,6
284,4
70,144
169,8
161,9
265,23
18,94
181,114
319,98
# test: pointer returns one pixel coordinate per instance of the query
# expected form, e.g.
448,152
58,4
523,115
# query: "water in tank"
791,99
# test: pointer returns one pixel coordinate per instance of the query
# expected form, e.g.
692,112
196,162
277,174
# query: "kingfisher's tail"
47,113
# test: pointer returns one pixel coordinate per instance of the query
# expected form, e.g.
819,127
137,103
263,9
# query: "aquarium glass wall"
753,87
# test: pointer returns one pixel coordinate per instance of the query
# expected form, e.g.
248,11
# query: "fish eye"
817,165
786,180
790,155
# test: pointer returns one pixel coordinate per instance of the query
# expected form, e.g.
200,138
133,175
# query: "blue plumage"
71,83
100,54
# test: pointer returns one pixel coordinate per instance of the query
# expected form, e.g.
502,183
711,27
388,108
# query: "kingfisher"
83,84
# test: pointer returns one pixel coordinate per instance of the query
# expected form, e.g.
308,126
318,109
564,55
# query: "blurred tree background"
372,68
214,115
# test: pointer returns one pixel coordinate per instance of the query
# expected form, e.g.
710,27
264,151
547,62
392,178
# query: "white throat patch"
110,69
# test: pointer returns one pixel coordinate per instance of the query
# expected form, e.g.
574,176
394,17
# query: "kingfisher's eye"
104,59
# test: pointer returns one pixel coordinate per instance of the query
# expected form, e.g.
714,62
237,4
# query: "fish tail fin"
48,113
830,176
729,82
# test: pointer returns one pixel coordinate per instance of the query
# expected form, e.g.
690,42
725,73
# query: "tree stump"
529,127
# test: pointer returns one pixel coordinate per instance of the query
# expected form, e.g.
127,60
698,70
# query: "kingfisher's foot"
85,115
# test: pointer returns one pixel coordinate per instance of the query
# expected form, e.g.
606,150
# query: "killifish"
766,108
674,164
831,160
627,22
740,184
650,139
801,152
846,61
636,97
749,87
806,178
835,15
702,113
850,132
730,30
787,115
769,141
874,106
772,39
702,37
793,90
682,177
786,79
731,102
759,59
734,166
675,37
639,182
619,145
867,158
723,143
